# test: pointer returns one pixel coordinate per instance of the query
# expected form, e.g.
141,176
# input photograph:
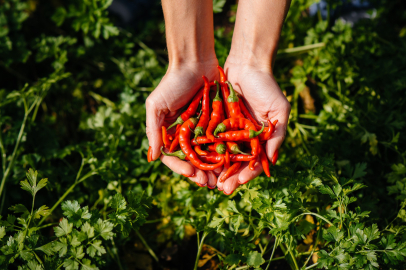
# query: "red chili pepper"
275,157
224,88
239,135
251,166
216,114
205,115
234,149
246,113
213,157
264,161
267,133
149,155
190,111
185,145
165,138
175,141
234,124
203,140
233,103
230,171
199,151
227,160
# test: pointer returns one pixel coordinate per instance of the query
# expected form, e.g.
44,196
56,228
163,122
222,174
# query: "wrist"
261,58
191,56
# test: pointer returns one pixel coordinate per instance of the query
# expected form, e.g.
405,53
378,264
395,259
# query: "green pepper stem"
235,150
198,132
179,121
220,148
232,97
254,133
220,128
217,98
178,154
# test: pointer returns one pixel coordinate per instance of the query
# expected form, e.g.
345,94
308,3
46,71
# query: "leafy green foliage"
72,108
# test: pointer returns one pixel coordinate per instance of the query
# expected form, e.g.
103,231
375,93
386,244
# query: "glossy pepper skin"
199,151
227,160
230,171
190,111
239,135
216,115
224,88
213,157
264,161
165,138
233,103
234,124
203,140
267,133
185,145
175,141
205,115
275,157
246,113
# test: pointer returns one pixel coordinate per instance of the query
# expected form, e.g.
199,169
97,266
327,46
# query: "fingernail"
229,193
200,185
193,174
211,187
219,189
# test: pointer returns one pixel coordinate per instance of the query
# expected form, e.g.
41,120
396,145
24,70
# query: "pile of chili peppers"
211,140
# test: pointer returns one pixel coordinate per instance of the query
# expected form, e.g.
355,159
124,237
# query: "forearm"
257,31
189,31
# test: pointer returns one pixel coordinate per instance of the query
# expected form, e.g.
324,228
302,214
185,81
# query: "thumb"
155,119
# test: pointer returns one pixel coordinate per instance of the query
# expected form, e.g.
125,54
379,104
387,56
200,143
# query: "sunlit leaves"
31,185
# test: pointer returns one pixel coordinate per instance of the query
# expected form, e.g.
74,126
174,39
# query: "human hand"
265,100
163,105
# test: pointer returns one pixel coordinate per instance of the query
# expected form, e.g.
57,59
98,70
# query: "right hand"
177,88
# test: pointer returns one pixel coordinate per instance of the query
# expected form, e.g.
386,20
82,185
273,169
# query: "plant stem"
14,154
314,248
3,153
273,251
200,249
116,253
58,202
312,266
66,194
151,252
314,214
300,49
285,251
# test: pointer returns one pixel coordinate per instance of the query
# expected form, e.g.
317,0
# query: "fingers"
155,119
231,183
200,177
275,142
247,175
212,179
221,184
178,166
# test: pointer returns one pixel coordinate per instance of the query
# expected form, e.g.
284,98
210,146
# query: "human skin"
249,68
190,42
